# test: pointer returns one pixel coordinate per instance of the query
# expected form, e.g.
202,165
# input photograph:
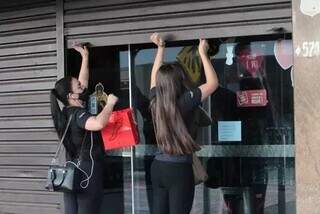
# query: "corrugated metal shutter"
28,69
116,22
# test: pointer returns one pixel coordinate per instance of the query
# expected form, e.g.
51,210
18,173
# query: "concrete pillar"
306,40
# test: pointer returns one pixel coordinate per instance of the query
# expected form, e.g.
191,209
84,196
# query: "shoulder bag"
68,177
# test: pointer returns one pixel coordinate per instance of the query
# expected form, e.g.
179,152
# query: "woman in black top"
73,94
172,110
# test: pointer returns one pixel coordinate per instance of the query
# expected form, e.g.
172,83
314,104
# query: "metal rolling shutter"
128,22
28,69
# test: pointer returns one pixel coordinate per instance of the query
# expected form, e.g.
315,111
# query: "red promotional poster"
121,130
251,61
252,98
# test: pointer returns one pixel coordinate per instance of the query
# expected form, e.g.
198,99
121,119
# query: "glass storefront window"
257,92
248,148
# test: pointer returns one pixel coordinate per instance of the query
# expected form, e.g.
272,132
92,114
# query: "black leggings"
172,186
90,199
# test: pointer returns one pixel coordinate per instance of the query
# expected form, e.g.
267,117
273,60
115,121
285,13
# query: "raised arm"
157,40
96,123
84,70
212,82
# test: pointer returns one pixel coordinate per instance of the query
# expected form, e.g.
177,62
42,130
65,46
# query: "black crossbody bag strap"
54,159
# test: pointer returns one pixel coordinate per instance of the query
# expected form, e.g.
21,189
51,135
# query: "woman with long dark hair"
172,111
78,142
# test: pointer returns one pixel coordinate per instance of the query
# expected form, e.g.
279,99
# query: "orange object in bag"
121,130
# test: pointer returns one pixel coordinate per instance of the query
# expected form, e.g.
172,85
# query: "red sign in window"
252,98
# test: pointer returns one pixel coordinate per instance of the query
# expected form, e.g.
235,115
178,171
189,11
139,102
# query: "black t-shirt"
78,134
187,104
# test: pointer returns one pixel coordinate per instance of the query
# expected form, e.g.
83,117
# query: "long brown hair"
171,133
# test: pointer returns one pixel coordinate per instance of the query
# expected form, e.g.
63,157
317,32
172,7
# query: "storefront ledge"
267,151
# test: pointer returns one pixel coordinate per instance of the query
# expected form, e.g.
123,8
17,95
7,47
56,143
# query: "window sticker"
252,98
229,55
310,7
283,50
229,131
251,61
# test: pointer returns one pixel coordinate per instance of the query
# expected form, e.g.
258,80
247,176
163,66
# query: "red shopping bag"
121,130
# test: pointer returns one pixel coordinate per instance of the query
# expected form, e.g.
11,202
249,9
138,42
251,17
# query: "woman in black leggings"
78,142
172,111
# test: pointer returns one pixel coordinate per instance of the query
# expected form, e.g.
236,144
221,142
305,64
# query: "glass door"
109,66
248,149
